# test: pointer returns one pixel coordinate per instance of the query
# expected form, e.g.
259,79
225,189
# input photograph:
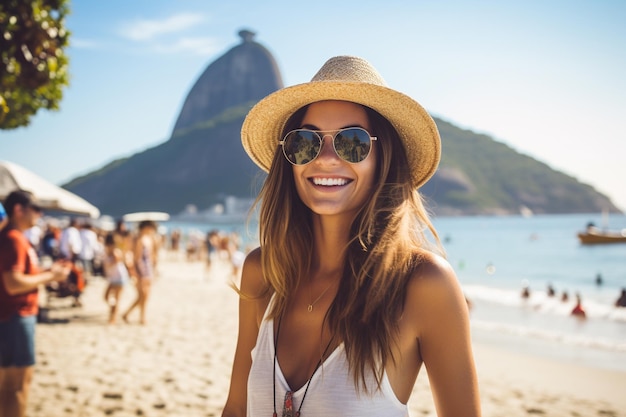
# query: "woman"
346,299
144,261
124,242
116,274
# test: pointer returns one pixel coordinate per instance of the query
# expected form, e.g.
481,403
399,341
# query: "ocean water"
495,257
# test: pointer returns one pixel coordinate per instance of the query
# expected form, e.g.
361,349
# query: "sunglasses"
302,146
33,207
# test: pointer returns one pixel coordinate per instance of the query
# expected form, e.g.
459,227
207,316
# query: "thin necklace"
288,403
311,304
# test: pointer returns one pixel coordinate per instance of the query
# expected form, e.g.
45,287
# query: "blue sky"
548,78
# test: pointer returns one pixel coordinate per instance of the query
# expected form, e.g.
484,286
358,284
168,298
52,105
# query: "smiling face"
329,185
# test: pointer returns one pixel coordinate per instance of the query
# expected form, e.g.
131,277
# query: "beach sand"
179,364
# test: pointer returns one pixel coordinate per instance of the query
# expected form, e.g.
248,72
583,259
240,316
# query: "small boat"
594,235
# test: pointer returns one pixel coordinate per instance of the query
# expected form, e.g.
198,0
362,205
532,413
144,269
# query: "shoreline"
551,349
179,364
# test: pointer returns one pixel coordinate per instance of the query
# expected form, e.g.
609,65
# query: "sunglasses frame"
321,134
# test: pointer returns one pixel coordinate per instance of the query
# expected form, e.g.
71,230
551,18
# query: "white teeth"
330,181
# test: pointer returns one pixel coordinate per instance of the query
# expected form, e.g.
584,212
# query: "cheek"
298,178
367,170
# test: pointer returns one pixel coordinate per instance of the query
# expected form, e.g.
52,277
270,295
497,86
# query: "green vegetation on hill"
229,115
199,165
479,175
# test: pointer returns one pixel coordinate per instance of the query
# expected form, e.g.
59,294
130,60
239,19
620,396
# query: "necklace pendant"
288,405
310,308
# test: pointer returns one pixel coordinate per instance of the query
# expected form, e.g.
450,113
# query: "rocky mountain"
203,161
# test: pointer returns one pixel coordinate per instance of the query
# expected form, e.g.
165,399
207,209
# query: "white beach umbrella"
49,196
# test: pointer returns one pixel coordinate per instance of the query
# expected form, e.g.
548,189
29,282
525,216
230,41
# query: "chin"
328,210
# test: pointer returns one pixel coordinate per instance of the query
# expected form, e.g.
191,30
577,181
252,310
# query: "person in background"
175,237
175,240
347,297
211,242
145,264
50,241
194,243
88,248
599,279
124,242
115,273
71,244
525,292
578,310
621,301
98,258
20,279
237,255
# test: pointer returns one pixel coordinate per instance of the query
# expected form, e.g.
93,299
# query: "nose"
327,153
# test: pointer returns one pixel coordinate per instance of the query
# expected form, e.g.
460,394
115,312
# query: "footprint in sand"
113,395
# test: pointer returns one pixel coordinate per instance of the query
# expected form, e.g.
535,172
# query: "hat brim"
261,130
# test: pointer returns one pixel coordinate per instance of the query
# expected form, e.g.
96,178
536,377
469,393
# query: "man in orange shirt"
19,282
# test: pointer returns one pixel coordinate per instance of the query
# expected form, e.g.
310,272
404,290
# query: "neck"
330,240
18,225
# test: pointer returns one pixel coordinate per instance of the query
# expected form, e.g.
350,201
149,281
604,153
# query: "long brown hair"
386,240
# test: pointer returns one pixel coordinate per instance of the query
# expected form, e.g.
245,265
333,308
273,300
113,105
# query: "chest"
16,253
302,342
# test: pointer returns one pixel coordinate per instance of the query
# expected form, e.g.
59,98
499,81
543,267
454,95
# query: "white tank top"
117,274
330,393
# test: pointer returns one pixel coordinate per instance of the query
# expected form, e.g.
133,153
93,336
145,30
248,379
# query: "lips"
330,182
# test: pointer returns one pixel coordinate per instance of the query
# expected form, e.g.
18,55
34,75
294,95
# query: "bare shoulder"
434,291
434,272
252,282
254,288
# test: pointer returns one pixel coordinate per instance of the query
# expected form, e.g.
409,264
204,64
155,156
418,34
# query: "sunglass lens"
301,146
352,145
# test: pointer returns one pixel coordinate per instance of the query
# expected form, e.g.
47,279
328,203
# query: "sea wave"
540,302
577,340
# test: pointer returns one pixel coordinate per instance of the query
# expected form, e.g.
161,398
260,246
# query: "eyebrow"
313,127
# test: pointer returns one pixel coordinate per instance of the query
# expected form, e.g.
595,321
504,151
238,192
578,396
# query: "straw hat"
352,79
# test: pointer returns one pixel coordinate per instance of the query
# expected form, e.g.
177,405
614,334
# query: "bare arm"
138,250
142,245
20,283
156,243
445,342
250,316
